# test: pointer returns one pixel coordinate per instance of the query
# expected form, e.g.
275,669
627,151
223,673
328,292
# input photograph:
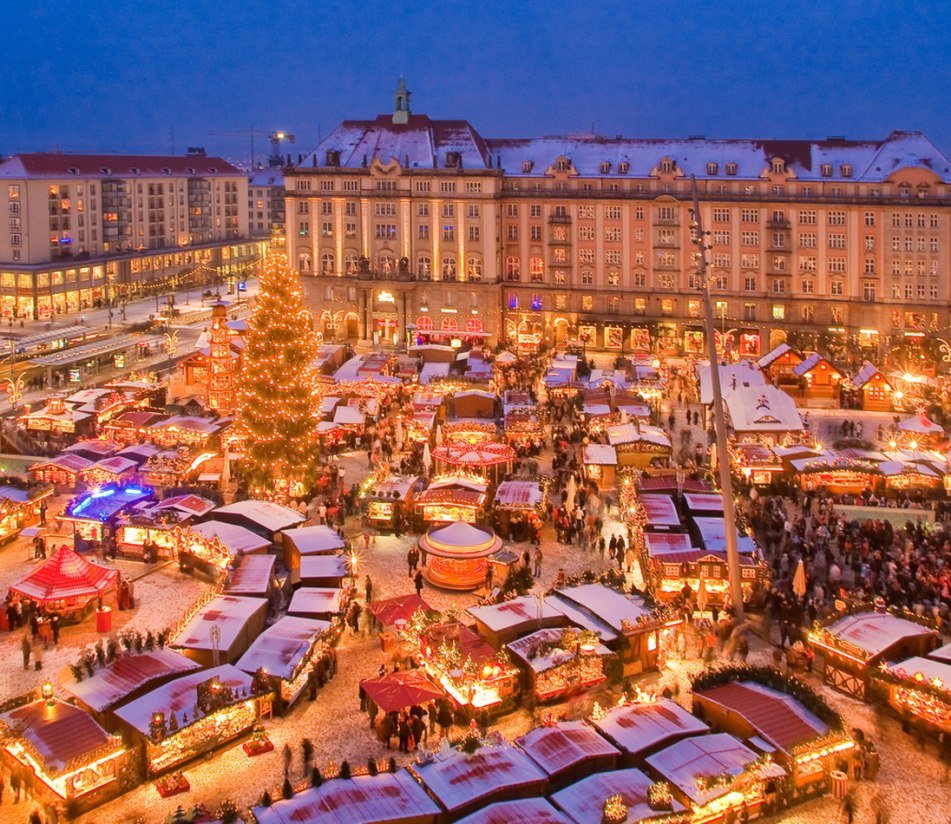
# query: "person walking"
418,580
15,786
537,572
26,646
368,589
286,752
372,711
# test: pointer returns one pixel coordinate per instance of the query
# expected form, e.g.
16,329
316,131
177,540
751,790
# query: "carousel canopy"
460,539
65,576
397,690
483,454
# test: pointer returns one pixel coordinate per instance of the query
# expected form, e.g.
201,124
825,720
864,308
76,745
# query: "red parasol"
398,690
403,607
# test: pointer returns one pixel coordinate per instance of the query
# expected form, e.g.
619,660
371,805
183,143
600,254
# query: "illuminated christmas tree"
277,405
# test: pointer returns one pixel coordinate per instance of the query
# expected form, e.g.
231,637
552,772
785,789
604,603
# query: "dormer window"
213,170
731,168
713,168
73,170
667,165
623,167
779,166
826,170
527,166
845,170
105,170
333,157
135,170
562,164
190,170
605,167
166,170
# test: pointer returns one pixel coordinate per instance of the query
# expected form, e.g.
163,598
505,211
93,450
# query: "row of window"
421,186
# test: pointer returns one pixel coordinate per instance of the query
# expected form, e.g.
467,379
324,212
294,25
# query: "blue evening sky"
120,75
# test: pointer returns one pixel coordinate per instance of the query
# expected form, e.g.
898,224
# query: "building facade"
93,230
405,227
266,202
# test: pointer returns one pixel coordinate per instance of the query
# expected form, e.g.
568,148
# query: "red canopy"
397,690
66,577
403,607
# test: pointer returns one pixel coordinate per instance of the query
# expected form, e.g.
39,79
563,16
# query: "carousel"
458,555
491,460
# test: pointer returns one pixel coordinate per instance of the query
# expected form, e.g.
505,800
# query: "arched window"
449,268
474,268
513,268
424,266
475,325
303,261
449,325
424,323
536,269
351,262
328,263
385,263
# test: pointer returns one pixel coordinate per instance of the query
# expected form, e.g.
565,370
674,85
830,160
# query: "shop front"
694,340
666,339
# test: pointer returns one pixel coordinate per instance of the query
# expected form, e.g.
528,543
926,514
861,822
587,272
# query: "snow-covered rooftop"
637,728
522,648
762,409
610,606
564,745
518,611
235,538
875,632
584,800
229,613
316,601
270,516
280,648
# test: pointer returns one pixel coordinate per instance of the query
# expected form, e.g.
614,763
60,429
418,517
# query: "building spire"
401,102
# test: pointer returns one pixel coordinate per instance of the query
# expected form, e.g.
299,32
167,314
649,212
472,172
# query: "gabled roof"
868,371
564,745
812,362
637,728
58,165
775,354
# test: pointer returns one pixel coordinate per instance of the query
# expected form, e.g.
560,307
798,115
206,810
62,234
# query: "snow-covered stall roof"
659,544
366,799
323,566
706,755
564,745
744,372
599,454
921,425
235,538
348,416
179,696
60,734
875,632
192,505
522,648
712,532
525,494
125,675
253,575
521,811
637,728
578,616
280,648
308,540
270,516
814,361
518,611
229,613
942,654
774,355
704,501
584,800
457,779
431,371
930,669
660,511
608,605
762,409
868,371
316,601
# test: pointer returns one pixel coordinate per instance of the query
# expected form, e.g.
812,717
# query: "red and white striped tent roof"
66,576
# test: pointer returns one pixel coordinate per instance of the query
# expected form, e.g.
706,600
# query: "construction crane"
276,138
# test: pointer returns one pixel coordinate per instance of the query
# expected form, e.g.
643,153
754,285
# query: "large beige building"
92,230
408,226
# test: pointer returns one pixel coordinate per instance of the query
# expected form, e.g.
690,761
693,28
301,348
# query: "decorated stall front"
755,461
193,715
837,472
21,505
518,509
211,546
394,495
491,460
70,758
875,393
94,514
62,470
469,431
917,687
620,797
854,646
600,464
559,662
639,446
148,532
453,497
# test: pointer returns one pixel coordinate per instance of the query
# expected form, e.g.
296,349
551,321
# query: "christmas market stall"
60,419
70,758
95,449
173,467
478,772
389,497
324,603
93,515
252,576
131,427
306,541
184,430
114,470
644,724
393,797
62,470
853,646
452,497
222,629
600,464
637,634
126,678
819,380
917,687
756,462
568,751
778,366
68,584
639,445
717,777
194,714
266,518
211,546
875,393
326,571
22,503
619,796
490,460
474,403
396,612
520,811
919,432
557,663
517,508
458,555
846,472
504,623
780,719
147,531
470,431
474,675
284,653
762,413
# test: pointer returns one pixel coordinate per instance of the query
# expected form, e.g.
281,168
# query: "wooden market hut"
71,758
474,403
600,464
211,546
285,651
503,623
762,414
62,470
461,783
778,366
21,504
128,677
520,811
393,797
555,664
874,388
396,493
154,525
568,751
639,445
491,460
645,726
853,646
236,621
452,497
819,379
112,470
265,518
324,603
93,515
584,800
307,541
920,688
517,508
192,715
325,570
253,577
